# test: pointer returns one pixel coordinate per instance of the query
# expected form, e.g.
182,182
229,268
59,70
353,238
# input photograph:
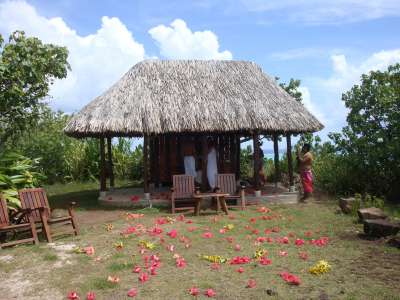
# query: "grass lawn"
360,269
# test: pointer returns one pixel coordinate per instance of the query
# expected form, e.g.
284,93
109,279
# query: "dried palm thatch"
171,96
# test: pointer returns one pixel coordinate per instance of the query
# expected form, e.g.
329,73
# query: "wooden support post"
157,160
110,163
276,160
146,164
232,154
256,160
204,155
290,161
238,156
103,182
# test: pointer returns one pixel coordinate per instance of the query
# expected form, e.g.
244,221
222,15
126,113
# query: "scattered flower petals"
209,293
321,267
237,247
251,283
299,242
238,260
207,235
73,296
89,250
282,253
240,270
265,261
303,255
143,277
194,291
172,234
90,296
132,293
113,279
290,278
137,269
180,262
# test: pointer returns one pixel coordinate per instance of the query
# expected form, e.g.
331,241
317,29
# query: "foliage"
370,143
246,163
17,172
27,69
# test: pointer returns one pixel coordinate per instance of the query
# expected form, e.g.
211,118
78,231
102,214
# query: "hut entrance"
166,155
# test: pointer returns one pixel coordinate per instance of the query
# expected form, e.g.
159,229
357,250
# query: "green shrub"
17,172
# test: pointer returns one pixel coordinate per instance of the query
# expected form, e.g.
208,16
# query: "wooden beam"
256,160
157,160
146,163
290,161
110,162
237,156
204,155
276,160
103,182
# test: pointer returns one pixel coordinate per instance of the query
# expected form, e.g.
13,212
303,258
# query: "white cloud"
178,41
310,105
326,92
345,75
327,12
97,60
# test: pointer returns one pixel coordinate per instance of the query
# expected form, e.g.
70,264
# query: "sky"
325,44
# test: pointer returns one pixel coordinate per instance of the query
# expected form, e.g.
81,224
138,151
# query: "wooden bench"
27,224
36,200
182,191
226,183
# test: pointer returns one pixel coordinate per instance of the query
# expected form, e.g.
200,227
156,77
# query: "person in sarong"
305,160
212,169
189,160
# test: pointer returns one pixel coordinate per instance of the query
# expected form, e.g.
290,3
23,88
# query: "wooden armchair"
27,223
182,192
226,183
36,200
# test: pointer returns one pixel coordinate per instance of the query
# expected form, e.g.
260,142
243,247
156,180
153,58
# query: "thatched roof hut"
171,96
169,101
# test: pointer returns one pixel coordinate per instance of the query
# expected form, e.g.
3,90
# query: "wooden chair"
182,191
5,225
226,183
36,199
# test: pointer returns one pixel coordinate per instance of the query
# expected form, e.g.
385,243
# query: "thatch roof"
170,96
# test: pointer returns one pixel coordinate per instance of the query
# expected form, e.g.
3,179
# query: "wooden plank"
146,163
204,154
290,160
276,159
110,162
103,182
256,161
157,160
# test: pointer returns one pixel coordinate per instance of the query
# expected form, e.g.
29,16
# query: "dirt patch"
63,254
6,258
98,216
16,285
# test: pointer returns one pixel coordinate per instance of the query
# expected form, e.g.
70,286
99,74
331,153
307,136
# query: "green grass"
361,269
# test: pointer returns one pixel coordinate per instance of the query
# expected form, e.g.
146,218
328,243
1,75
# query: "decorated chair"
36,200
226,183
182,191
27,224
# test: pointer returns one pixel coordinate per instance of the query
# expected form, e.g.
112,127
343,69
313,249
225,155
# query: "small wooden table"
220,197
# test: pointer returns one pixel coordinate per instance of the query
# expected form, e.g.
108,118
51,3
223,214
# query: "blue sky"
327,45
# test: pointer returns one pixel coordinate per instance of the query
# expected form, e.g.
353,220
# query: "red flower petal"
90,296
73,296
207,235
194,291
240,270
173,233
132,292
251,283
209,293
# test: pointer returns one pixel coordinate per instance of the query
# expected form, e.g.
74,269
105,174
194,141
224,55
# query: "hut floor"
134,197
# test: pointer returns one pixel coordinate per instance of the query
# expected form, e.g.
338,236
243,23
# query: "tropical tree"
27,69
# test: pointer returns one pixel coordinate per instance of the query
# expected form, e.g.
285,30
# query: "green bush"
17,172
